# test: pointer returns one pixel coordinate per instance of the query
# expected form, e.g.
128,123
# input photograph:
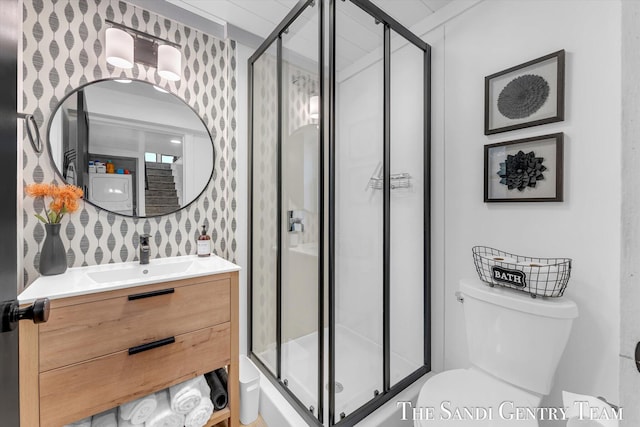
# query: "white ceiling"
262,16
357,32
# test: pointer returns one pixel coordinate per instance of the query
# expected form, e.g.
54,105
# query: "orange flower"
57,205
65,200
76,191
72,206
40,190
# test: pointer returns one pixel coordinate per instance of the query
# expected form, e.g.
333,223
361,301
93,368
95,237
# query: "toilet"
515,344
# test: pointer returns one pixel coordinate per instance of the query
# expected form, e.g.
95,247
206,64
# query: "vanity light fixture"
314,107
125,45
169,62
119,48
176,141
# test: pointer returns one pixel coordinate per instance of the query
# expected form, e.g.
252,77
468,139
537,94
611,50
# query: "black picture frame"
502,186
529,94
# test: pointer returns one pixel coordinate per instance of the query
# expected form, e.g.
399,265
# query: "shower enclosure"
339,258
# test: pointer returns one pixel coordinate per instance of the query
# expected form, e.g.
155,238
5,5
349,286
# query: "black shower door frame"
389,391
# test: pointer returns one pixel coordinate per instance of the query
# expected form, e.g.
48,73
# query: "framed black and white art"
528,94
524,170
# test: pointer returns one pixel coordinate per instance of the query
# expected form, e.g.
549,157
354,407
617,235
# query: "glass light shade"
314,107
119,48
169,62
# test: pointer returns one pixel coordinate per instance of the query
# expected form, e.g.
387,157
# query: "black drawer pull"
151,345
151,294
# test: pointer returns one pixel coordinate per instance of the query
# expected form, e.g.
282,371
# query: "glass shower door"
300,209
264,212
359,236
407,210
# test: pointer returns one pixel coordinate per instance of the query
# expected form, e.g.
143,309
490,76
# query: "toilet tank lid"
562,308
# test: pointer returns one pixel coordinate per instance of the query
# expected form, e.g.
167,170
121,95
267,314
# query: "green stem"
46,211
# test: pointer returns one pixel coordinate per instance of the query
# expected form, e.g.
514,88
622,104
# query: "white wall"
359,233
630,290
490,37
197,153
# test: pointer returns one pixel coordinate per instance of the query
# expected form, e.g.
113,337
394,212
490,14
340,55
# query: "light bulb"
314,107
119,48
169,62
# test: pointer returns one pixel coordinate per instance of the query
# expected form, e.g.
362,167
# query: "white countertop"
77,281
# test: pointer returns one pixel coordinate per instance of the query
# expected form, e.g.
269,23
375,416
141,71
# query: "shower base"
358,366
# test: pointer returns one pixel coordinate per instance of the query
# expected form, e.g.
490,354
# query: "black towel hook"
32,131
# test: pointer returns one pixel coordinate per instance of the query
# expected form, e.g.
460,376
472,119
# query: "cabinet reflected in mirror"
134,149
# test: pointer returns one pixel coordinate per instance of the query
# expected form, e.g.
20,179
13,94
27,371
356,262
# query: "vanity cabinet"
102,349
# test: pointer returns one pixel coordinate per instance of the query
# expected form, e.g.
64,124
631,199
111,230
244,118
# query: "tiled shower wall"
62,49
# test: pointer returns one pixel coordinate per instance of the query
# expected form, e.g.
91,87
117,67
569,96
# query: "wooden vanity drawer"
83,331
106,382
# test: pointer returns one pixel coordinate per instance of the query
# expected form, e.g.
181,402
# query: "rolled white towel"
204,388
138,411
200,415
163,416
185,396
81,423
105,419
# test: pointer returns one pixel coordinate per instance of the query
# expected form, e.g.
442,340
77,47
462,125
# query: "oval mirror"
134,149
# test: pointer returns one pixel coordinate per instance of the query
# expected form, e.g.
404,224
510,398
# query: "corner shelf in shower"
398,180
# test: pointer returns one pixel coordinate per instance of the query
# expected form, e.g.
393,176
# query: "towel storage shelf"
100,350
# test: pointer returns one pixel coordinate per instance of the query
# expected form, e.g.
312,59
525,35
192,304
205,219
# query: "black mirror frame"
60,177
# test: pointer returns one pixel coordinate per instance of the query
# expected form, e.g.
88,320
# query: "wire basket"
546,277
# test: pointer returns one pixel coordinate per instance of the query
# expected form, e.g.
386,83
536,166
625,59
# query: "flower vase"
53,257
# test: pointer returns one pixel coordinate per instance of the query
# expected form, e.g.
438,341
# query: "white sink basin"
107,277
131,272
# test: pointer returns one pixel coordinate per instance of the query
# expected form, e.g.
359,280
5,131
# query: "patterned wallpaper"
63,48
263,268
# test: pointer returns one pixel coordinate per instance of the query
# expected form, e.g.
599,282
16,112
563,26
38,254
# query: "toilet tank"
515,337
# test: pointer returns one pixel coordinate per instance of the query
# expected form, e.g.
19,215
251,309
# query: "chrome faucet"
295,220
145,249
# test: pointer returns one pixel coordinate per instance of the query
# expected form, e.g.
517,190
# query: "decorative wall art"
528,94
524,170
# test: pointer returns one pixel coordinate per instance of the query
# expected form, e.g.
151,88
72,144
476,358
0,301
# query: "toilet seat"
452,393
